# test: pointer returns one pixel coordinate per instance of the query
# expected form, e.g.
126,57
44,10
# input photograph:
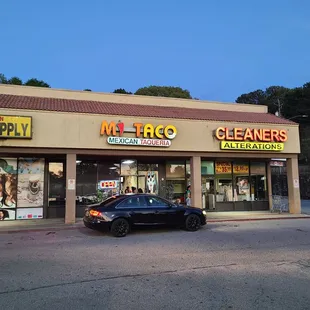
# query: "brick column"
293,186
196,195
70,189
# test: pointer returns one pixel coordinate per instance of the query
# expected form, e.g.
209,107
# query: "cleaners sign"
251,139
144,134
15,127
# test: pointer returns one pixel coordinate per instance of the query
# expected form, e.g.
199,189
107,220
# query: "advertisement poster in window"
7,214
29,213
223,167
243,186
8,184
30,182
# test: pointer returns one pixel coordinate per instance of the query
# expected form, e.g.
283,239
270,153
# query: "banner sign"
15,127
241,169
109,184
222,167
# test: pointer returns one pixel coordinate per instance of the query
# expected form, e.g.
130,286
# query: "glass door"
208,196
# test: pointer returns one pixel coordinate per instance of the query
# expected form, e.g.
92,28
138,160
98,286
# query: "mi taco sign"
251,139
144,134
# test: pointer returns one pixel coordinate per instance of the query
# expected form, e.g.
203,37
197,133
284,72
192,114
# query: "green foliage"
292,103
3,79
87,89
36,83
164,91
15,81
121,91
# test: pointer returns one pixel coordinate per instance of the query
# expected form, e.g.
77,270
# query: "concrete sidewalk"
7,227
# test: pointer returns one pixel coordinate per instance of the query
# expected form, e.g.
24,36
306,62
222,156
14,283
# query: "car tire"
120,227
192,222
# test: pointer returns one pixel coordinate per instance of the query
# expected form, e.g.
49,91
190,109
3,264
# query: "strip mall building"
61,150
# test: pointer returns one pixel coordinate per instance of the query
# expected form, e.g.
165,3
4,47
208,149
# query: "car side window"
133,202
156,202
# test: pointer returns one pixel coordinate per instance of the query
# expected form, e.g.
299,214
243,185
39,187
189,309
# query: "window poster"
30,182
8,185
7,214
29,213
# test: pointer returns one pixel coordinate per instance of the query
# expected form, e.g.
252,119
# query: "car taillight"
95,213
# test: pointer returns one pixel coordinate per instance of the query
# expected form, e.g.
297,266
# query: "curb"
31,230
44,229
260,219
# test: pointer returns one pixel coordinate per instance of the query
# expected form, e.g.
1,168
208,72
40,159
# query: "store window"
224,183
8,188
30,196
175,186
241,175
207,167
129,172
148,178
258,181
108,180
56,184
86,182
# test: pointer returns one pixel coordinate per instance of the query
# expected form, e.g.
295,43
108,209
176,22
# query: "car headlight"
204,213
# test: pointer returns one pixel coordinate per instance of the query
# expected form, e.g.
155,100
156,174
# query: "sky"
217,49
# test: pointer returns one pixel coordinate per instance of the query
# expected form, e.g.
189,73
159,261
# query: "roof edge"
60,93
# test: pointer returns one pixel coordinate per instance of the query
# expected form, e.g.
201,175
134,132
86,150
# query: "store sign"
108,184
145,134
251,139
15,127
241,169
223,167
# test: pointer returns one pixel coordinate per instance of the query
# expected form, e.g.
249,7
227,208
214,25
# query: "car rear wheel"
120,227
192,222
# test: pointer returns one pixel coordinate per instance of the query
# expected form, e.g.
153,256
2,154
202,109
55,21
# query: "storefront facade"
61,150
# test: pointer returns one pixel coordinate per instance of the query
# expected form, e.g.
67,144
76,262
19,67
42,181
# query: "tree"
121,91
3,79
87,89
273,97
254,97
164,91
289,103
15,81
36,83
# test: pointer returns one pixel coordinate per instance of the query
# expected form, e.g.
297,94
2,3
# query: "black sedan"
119,213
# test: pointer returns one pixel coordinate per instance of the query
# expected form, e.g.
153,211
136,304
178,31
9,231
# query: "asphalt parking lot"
235,265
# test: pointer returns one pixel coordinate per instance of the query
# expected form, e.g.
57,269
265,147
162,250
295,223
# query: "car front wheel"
192,222
120,227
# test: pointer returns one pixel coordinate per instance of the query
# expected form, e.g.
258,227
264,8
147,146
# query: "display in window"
30,182
148,178
129,167
224,190
243,188
7,214
29,213
223,167
175,171
8,182
241,168
108,188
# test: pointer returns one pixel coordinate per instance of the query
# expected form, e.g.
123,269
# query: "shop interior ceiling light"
128,162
